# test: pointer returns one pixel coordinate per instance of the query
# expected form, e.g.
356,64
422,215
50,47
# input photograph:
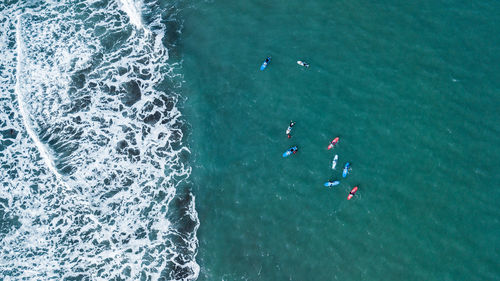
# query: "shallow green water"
413,92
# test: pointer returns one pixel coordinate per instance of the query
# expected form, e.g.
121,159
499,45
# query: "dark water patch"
76,120
34,188
134,155
184,156
99,30
8,222
9,134
169,105
110,179
65,169
122,71
180,213
131,138
78,80
145,131
173,271
12,173
98,5
144,75
126,182
110,194
115,40
140,233
134,151
125,52
172,37
63,140
153,118
172,24
121,145
157,102
176,138
148,107
126,271
79,91
132,93
153,235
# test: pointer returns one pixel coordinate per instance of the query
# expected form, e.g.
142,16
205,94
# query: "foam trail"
133,10
41,148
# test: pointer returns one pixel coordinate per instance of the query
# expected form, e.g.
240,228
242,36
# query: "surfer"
351,194
265,63
331,183
291,150
303,63
289,129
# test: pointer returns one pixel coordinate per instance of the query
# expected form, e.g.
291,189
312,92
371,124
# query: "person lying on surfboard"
303,63
289,129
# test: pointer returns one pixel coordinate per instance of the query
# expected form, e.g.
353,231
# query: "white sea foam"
133,10
93,169
20,102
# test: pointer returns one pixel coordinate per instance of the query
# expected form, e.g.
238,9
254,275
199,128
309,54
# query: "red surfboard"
351,194
333,143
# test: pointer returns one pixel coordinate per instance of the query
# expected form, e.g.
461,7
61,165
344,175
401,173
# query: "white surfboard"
334,163
303,63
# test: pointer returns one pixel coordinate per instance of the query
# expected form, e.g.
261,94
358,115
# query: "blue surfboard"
333,183
265,63
346,169
289,151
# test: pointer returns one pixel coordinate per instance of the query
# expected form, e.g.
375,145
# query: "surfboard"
334,163
351,194
265,63
333,143
333,183
303,63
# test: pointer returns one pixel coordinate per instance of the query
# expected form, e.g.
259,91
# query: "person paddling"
289,129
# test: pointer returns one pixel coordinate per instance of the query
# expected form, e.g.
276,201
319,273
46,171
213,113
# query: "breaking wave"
94,166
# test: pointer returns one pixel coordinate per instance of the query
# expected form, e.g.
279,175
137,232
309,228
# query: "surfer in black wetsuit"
290,129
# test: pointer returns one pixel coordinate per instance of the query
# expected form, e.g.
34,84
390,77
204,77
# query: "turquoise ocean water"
412,89
140,141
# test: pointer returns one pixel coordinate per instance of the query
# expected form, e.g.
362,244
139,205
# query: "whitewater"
95,171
